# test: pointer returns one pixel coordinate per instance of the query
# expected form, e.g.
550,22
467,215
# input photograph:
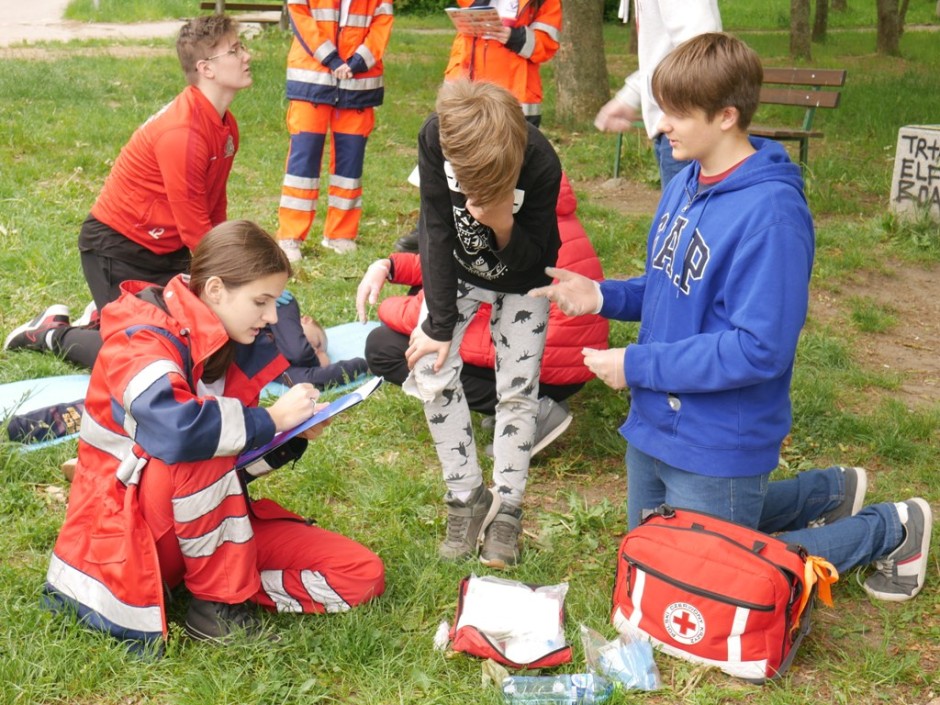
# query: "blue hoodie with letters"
721,305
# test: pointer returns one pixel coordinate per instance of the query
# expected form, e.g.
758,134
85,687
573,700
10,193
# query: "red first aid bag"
718,593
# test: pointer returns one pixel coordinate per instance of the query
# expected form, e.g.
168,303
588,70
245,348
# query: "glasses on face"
238,50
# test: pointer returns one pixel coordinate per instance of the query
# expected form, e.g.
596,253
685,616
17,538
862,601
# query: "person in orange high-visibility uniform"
334,82
513,57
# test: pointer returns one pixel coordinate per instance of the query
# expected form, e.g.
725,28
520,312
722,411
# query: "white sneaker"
340,246
291,248
89,316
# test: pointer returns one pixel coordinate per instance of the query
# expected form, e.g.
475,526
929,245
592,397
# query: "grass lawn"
65,115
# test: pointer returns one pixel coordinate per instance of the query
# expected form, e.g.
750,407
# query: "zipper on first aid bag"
717,597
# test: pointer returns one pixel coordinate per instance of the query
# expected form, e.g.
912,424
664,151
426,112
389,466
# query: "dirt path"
31,21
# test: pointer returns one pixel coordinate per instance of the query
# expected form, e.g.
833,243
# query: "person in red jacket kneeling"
563,371
159,497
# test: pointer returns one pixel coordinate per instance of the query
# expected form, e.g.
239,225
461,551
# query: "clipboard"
475,21
335,407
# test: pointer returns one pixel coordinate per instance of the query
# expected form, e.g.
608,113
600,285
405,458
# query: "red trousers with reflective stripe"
311,569
308,124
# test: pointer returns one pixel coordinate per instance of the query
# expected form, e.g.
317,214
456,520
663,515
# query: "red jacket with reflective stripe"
168,185
143,404
562,362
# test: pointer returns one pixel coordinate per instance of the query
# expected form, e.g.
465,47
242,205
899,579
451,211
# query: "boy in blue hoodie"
721,305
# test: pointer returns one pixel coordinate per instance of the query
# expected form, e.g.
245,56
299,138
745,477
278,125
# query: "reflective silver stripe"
320,591
96,596
304,182
529,46
366,55
107,441
258,468
325,14
323,51
140,383
307,205
738,625
345,204
359,20
191,507
363,84
233,436
547,28
636,598
384,9
531,108
320,78
272,582
345,182
129,470
297,2
230,530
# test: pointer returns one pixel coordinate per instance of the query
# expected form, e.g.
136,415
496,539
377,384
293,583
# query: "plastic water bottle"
567,689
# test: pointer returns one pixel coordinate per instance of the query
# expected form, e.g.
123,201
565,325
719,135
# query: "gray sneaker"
901,574
501,543
856,485
553,420
466,522
221,622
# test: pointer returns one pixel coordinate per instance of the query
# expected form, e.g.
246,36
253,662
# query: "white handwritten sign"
915,186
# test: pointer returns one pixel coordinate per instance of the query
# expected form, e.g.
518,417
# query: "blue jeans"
668,167
783,506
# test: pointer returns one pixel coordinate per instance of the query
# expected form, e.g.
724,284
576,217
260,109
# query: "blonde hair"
484,136
710,72
199,37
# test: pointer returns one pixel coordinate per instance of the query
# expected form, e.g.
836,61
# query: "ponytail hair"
238,252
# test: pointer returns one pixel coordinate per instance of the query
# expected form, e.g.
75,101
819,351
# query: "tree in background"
581,83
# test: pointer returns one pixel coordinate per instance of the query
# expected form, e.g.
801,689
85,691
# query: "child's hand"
296,406
422,344
370,286
607,365
574,294
497,215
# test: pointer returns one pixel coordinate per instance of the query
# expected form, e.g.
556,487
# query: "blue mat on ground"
33,394
344,341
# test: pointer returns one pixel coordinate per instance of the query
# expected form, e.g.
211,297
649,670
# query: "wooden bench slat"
806,77
783,133
246,6
800,97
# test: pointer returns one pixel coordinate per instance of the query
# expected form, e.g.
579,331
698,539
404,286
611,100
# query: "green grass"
374,475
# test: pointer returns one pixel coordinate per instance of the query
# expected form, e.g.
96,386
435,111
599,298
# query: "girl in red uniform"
157,499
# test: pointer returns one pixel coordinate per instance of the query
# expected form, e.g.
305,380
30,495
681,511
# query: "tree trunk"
799,29
581,85
821,21
839,6
889,30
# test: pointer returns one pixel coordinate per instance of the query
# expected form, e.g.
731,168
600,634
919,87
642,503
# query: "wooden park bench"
222,6
794,87
800,88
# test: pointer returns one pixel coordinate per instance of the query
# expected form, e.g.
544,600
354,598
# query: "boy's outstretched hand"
574,294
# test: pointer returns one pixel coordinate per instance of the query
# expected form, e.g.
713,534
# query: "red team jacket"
562,363
105,562
168,185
